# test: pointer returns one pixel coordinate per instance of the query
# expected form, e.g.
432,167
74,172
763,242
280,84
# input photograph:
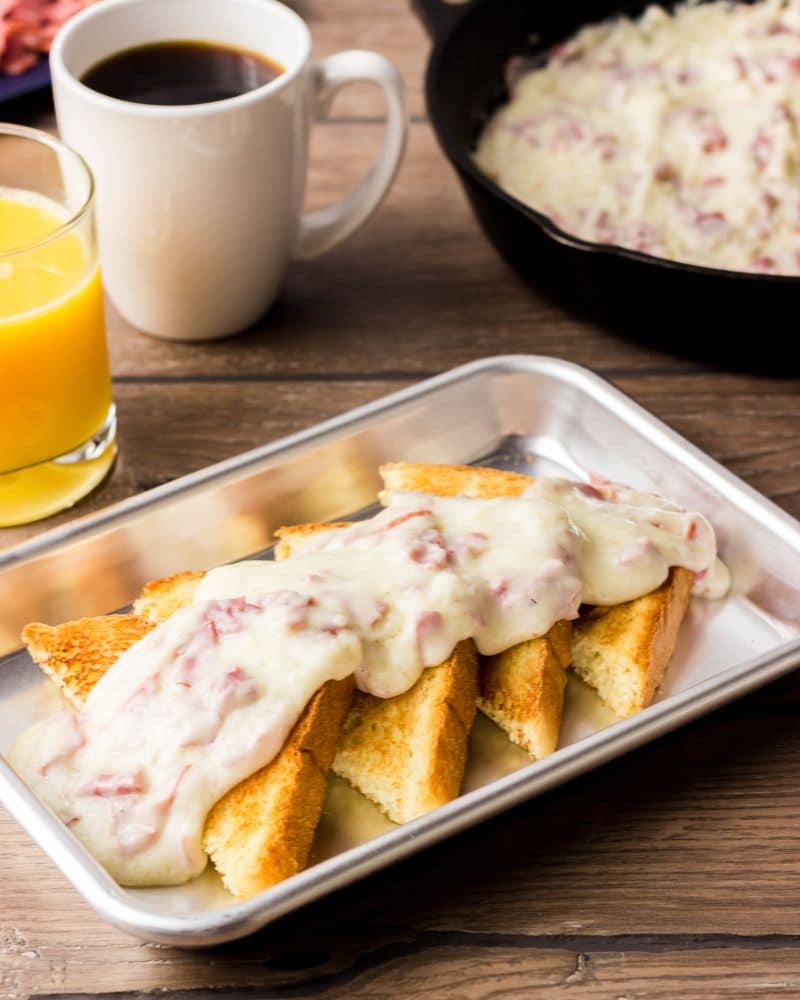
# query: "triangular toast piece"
522,688
623,651
407,753
261,831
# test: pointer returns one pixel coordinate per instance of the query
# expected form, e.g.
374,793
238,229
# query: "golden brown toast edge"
452,480
260,832
290,536
426,728
522,688
77,654
408,753
160,598
624,651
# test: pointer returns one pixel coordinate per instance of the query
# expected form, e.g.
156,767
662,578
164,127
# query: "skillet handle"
438,16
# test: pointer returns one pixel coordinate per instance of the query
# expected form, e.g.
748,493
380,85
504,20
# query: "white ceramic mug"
200,206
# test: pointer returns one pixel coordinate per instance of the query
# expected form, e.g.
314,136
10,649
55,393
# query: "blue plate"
35,78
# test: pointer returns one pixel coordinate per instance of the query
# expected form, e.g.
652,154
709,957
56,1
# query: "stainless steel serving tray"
526,413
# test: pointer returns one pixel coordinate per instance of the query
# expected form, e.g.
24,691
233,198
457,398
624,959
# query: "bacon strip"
27,30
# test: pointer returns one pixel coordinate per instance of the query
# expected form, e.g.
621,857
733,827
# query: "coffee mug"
200,206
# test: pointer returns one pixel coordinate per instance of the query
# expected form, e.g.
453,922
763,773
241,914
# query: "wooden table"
673,873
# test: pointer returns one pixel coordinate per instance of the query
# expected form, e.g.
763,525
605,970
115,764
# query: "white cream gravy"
675,134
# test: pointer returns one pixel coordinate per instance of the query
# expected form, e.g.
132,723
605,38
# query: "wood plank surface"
684,845
163,433
671,873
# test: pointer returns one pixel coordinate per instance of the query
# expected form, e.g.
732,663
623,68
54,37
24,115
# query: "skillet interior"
727,318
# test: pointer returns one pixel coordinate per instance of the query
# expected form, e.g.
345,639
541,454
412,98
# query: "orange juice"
55,384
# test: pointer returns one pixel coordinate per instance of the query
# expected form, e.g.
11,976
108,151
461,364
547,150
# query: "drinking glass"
57,416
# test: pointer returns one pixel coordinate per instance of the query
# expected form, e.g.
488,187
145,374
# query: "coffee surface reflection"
180,73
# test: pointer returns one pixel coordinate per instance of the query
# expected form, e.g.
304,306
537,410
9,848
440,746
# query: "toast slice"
622,652
261,831
407,754
522,688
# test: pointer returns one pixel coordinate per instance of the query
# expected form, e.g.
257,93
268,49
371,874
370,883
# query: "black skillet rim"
458,20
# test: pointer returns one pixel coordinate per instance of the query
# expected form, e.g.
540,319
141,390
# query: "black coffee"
180,73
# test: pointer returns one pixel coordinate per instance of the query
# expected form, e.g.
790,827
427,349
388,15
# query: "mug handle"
321,230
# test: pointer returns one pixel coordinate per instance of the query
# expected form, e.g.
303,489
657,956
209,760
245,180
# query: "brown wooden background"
673,873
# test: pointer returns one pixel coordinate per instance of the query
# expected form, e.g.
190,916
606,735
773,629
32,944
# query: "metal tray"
526,413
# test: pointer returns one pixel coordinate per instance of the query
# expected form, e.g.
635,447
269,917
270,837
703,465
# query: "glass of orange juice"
57,417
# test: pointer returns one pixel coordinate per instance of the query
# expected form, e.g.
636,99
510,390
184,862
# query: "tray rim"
567,371
209,927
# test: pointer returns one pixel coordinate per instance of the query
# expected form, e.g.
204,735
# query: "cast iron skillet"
730,318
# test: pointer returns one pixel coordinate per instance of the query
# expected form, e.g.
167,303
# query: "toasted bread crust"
290,536
261,832
522,690
624,651
408,753
452,480
161,598
77,654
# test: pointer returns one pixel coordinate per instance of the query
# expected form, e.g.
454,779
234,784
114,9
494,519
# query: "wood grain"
670,873
164,433
389,28
428,966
